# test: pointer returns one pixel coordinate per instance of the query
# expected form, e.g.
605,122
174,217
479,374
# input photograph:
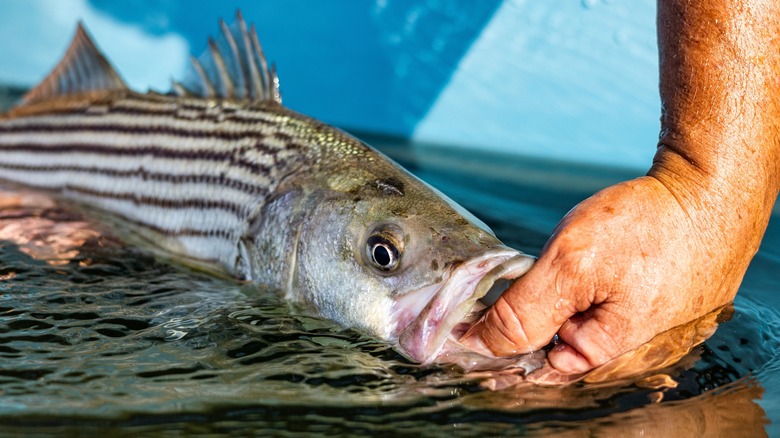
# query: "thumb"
525,317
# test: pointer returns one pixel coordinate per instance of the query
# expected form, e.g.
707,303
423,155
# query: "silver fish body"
228,179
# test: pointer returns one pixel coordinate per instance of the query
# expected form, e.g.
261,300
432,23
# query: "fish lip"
450,304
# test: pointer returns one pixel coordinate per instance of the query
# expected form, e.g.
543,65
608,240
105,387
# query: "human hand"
624,265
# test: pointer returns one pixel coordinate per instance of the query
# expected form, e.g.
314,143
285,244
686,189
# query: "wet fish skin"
236,182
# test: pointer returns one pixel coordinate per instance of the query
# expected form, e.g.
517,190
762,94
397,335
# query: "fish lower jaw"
455,306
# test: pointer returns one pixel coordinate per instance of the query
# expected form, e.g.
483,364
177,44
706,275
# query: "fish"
219,175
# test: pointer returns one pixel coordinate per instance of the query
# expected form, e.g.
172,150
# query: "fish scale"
189,178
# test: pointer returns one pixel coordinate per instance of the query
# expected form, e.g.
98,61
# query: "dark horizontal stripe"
217,180
192,232
186,132
183,232
156,151
207,113
199,203
159,105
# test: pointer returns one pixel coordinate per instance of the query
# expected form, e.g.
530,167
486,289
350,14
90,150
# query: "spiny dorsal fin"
233,67
82,69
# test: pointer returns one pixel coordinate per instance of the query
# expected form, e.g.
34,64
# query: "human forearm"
719,79
719,148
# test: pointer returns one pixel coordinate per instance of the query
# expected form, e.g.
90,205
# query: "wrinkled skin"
647,255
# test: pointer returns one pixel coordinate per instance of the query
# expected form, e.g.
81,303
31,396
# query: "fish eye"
382,253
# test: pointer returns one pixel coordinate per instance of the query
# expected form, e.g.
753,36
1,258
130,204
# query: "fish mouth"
454,306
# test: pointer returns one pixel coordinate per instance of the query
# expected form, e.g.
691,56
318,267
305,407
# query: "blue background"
564,80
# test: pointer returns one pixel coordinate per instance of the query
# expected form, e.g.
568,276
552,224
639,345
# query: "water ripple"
113,338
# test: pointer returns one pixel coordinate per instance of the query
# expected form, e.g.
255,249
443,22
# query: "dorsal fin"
83,68
232,67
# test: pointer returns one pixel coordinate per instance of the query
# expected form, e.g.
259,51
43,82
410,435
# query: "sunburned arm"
646,255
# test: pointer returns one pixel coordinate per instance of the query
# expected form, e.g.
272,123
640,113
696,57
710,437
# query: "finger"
567,360
587,342
500,332
526,316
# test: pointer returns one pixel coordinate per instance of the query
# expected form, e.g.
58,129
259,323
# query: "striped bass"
218,174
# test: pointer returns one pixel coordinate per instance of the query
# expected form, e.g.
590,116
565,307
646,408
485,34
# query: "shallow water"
100,337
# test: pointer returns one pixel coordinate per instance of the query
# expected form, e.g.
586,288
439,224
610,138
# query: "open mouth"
454,306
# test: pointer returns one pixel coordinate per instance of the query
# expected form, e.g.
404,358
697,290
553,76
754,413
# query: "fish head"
399,260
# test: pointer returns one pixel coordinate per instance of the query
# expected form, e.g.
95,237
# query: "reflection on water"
96,335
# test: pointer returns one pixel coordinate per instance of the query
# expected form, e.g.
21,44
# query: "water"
99,337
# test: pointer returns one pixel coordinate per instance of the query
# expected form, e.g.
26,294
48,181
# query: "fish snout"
469,289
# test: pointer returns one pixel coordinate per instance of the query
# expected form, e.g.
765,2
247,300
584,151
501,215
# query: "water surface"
97,336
